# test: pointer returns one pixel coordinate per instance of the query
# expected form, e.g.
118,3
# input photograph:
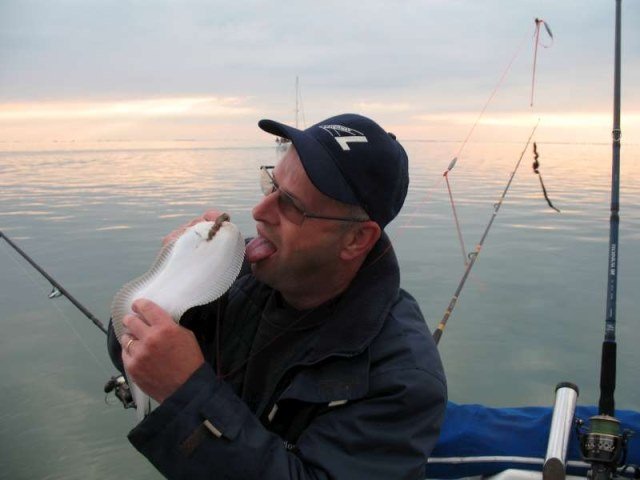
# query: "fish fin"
121,304
143,401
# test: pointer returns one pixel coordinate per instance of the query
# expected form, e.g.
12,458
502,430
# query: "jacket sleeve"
204,431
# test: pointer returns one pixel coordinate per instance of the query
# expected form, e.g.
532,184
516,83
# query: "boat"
282,143
559,441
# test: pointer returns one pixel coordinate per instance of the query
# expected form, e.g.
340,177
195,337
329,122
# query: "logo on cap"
344,135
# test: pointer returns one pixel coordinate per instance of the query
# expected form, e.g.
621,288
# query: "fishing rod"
603,445
474,255
117,383
608,367
57,288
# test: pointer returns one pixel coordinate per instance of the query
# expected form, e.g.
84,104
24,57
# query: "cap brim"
316,160
276,128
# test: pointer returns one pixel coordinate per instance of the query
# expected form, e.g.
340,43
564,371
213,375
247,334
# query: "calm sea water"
531,314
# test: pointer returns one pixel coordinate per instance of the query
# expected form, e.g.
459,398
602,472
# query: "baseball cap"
350,158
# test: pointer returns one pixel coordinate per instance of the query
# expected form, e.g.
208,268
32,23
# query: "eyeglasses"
290,206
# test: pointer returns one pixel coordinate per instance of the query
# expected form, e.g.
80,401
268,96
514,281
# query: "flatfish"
195,269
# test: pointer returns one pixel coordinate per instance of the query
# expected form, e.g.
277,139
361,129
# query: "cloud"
379,107
527,119
196,61
127,109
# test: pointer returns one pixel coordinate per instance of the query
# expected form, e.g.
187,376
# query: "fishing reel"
603,446
120,387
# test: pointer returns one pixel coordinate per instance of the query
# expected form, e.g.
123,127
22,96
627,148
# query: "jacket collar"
359,316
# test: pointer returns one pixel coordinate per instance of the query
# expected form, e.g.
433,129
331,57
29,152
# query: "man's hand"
158,354
208,216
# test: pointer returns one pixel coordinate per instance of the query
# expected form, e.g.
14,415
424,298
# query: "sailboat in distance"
283,143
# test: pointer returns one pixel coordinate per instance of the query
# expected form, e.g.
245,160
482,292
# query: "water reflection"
530,315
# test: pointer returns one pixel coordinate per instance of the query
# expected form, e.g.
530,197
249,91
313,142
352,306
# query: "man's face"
291,258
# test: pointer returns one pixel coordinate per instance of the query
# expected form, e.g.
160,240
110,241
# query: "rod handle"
606,406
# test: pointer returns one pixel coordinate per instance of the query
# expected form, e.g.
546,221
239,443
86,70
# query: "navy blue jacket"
364,401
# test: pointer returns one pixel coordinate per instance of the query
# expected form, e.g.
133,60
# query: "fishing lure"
536,167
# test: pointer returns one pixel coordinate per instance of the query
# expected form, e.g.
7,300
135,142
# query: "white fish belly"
194,270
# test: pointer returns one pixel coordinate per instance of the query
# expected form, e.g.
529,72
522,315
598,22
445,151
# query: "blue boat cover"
479,440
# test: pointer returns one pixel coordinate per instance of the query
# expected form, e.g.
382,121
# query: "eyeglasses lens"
286,204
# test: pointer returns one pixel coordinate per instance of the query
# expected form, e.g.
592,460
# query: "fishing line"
455,214
62,314
473,127
474,255
437,334
493,93
430,189
419,204
58,289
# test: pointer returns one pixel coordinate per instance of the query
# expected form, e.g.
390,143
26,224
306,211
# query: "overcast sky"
98,69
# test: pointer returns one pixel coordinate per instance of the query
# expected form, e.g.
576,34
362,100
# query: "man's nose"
266,210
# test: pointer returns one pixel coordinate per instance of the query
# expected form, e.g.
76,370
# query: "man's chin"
260,270
271,273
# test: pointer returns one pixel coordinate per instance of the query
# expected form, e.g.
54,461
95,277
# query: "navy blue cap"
350,158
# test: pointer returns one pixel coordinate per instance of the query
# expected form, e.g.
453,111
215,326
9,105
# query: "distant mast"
297,101
283,143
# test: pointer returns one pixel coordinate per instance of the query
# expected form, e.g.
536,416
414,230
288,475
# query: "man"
315,364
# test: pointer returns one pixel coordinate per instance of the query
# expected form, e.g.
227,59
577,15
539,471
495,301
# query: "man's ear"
360,239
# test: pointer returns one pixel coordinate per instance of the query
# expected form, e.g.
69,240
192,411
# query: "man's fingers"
135,325
151,313
208,216
211,215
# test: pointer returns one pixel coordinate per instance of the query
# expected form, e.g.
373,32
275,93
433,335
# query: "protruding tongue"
258,249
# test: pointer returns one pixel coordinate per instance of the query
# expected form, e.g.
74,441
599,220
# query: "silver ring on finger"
127,347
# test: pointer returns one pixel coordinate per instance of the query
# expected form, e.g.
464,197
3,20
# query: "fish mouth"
260,248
